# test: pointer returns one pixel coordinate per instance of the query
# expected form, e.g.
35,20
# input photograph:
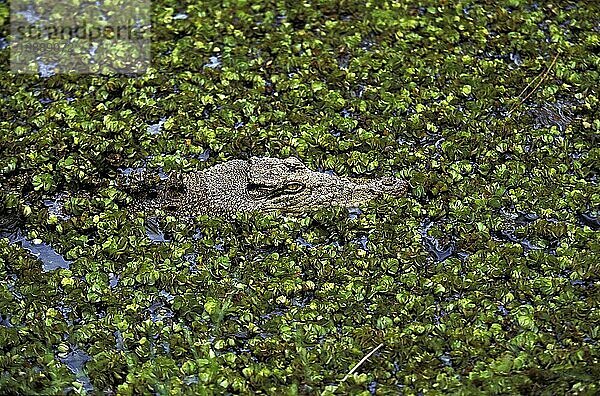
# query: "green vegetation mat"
485,278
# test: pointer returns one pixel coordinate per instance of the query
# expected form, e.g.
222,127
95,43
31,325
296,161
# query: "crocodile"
260,184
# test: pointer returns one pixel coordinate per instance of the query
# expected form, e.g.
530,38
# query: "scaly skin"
263,185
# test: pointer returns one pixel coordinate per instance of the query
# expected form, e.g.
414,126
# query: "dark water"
49,258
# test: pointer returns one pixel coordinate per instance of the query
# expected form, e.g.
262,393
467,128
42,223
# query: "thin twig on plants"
543,77
364,359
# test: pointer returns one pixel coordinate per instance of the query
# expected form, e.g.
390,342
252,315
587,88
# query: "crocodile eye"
294,187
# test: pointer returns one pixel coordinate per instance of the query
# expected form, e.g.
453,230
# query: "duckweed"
484,279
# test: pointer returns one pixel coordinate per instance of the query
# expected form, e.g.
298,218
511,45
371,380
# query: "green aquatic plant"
482,280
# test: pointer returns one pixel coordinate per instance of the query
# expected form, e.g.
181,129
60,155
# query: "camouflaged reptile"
258,184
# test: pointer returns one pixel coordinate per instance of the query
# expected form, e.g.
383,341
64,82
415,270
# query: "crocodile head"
287,185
